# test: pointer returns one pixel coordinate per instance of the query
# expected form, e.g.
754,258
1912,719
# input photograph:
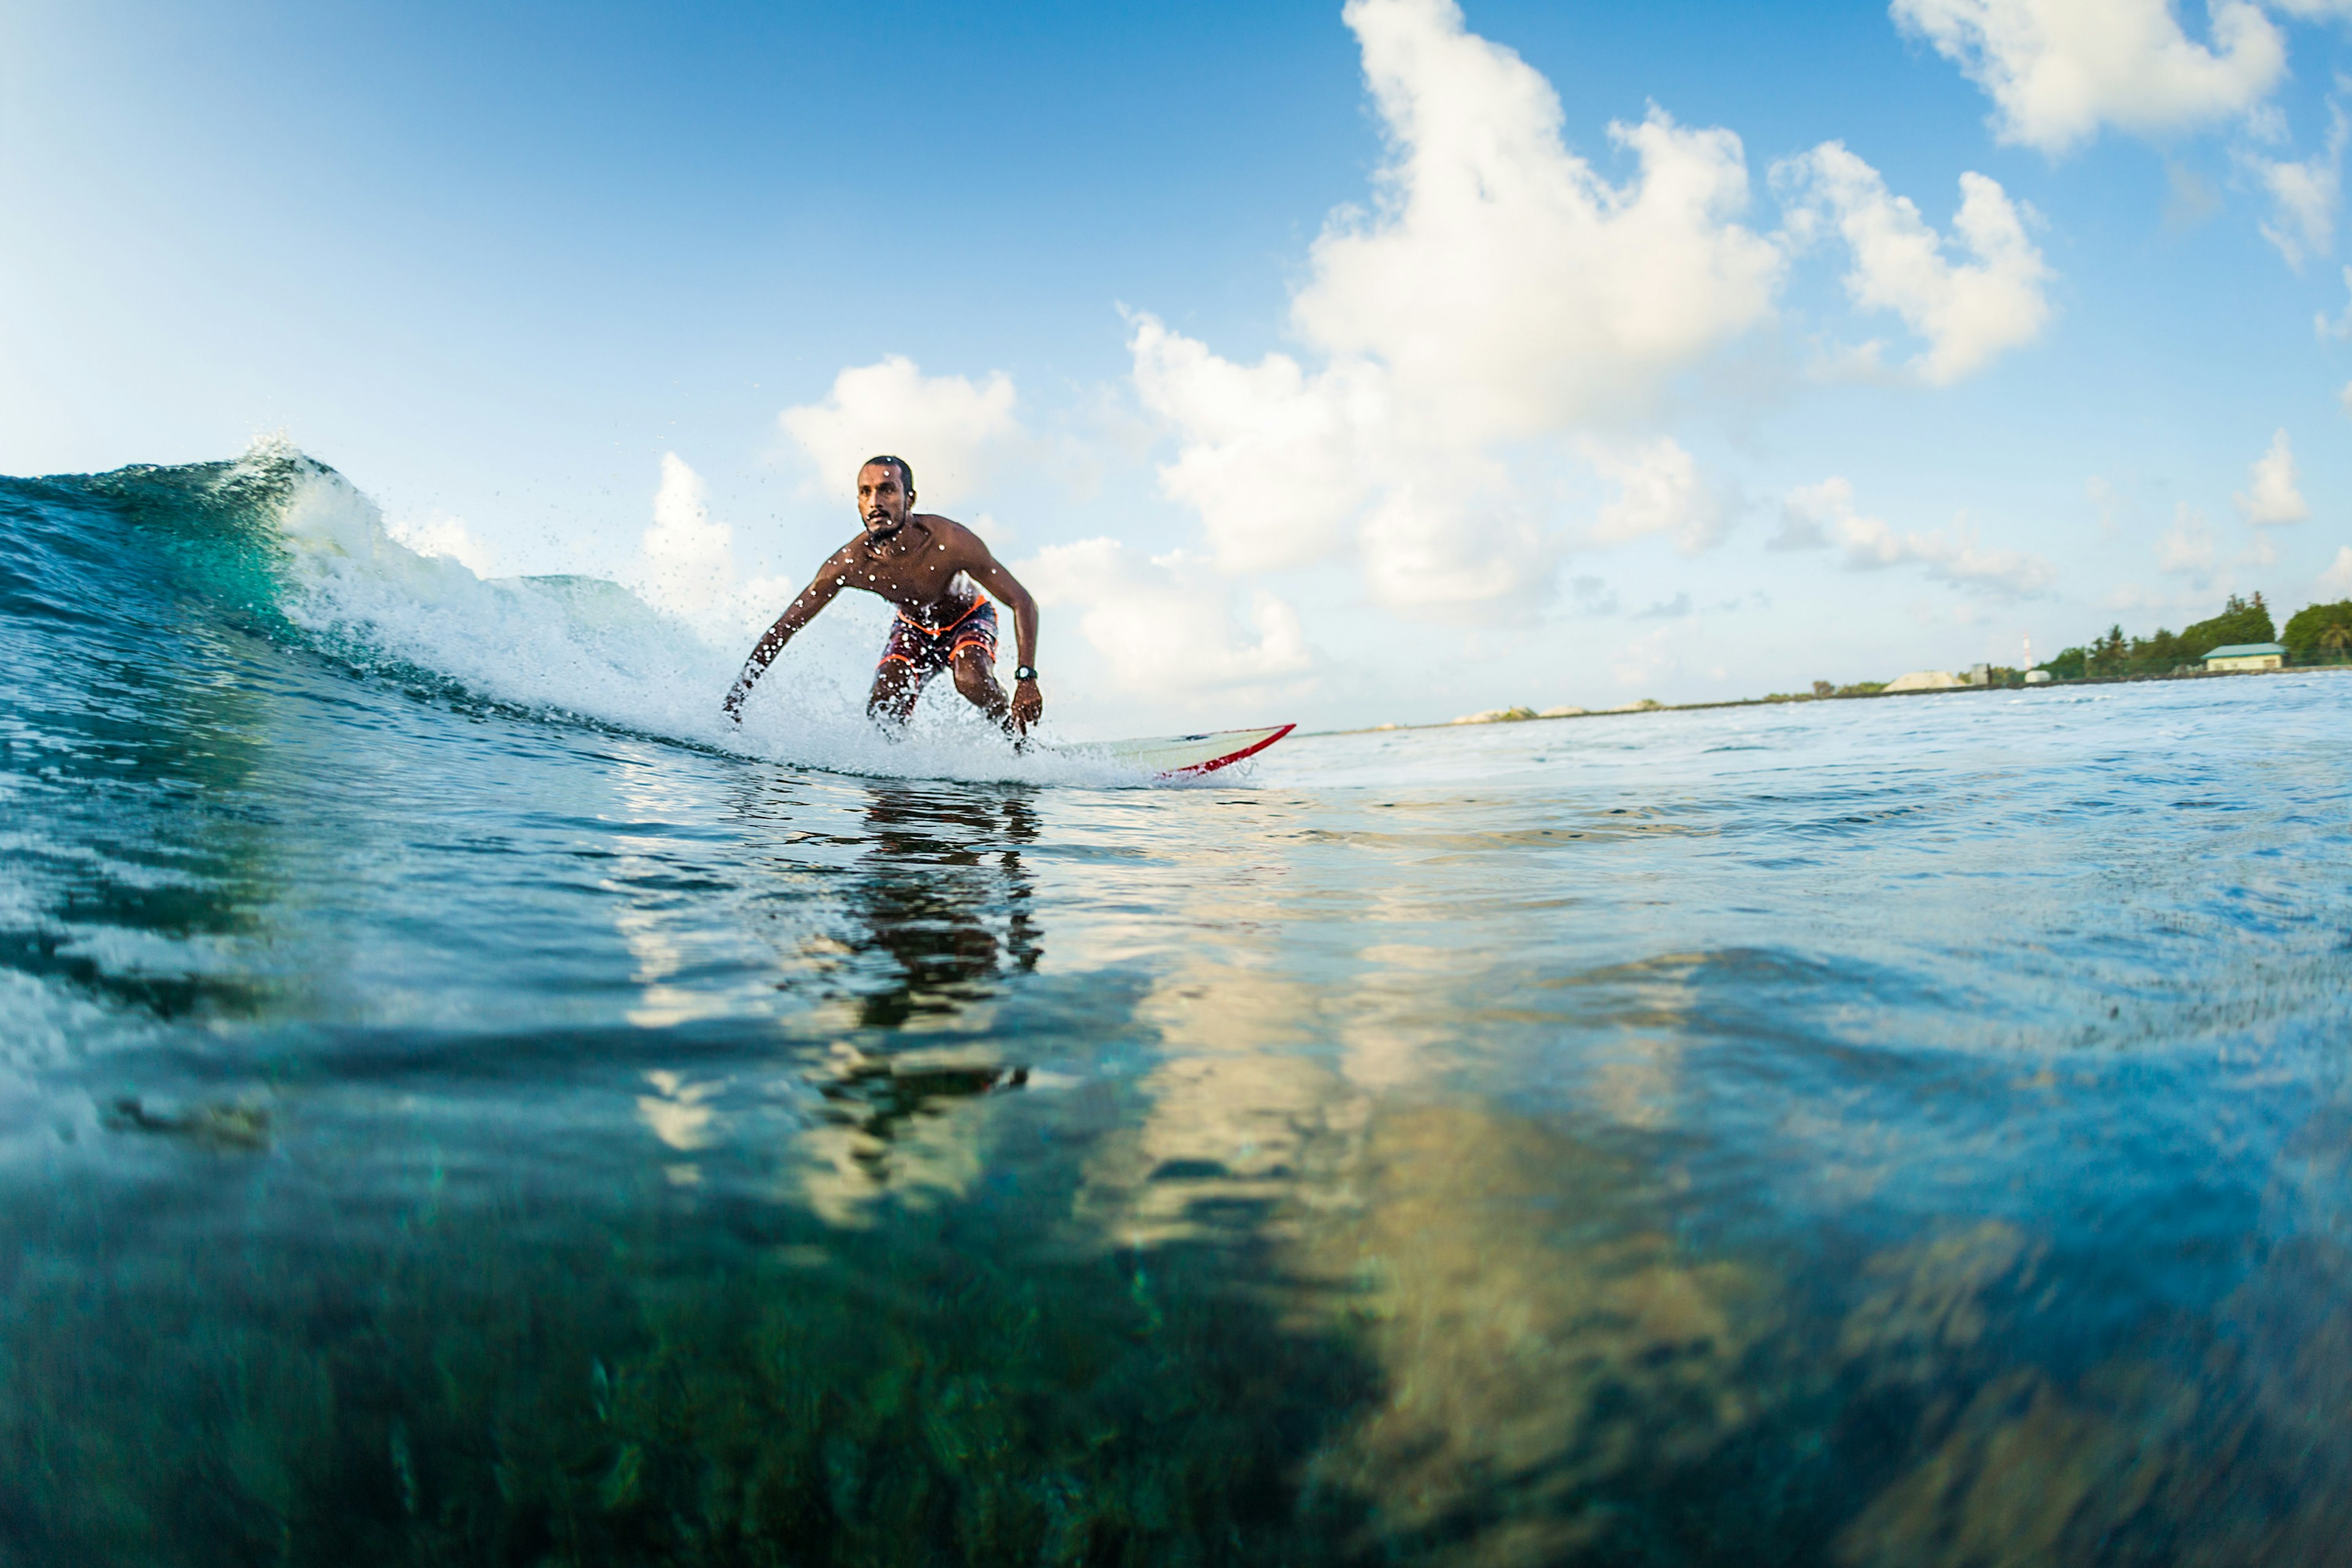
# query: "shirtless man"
934,570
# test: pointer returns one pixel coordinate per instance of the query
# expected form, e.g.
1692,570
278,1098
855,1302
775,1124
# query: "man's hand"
798,614
1027,704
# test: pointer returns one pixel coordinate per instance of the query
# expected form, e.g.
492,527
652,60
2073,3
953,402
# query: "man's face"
882,501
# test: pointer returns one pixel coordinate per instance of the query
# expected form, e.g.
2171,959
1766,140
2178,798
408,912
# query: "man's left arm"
1028,704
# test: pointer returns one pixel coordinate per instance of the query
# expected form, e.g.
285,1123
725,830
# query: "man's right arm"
821,591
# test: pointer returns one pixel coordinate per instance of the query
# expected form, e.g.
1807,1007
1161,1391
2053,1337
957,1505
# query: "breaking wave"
279,545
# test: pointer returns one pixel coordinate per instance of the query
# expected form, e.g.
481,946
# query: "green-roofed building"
2248,656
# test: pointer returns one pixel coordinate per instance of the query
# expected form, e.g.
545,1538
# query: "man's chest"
920,577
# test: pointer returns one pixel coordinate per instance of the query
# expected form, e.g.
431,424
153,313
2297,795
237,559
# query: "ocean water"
459,1105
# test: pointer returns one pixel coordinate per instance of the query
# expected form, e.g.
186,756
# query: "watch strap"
1025,673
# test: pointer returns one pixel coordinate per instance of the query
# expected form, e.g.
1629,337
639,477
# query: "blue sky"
1558,416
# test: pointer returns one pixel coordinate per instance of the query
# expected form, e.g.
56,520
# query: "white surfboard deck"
1182,756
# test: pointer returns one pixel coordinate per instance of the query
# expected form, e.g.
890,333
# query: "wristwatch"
1025,673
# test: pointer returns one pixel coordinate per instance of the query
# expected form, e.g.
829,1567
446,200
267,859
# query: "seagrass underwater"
457,1104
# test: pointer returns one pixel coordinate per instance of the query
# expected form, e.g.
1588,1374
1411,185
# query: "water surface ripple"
437,1129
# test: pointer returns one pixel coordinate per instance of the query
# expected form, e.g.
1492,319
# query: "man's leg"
897,682
975,678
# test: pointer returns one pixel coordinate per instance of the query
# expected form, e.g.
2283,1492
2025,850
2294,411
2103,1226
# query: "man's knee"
895,688
973,676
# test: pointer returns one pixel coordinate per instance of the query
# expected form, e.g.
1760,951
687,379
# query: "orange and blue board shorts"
930,650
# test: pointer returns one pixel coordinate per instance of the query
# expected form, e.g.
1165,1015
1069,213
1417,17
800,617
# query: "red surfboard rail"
1168,757
1230,759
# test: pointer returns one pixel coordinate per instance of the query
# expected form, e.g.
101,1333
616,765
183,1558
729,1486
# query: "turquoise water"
452,1109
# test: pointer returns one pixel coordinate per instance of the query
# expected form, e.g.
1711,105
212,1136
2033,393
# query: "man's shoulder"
958,539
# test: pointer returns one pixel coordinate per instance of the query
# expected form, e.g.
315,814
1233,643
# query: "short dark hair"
905,474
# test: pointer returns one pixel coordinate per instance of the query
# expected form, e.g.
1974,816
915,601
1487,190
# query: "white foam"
584,646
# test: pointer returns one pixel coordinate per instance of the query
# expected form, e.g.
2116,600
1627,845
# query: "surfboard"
1183,756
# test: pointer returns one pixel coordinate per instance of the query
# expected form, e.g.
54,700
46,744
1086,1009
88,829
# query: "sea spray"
565,646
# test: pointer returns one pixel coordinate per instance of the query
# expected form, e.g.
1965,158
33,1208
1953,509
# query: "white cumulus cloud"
2304,195
2058,70
2272,494
689,559
951,430
1168,623
1806,512
1503,302
1660,491
1969,312
2187,548
2337,579
686,563
1822,516
2341,327
1275,460
1500,290
1508,285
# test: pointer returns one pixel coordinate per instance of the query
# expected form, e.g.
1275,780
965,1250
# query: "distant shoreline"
1636,711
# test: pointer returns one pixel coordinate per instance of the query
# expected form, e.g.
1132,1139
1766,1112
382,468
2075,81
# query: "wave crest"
290,547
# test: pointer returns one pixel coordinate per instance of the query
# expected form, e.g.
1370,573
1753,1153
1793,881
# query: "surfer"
940,575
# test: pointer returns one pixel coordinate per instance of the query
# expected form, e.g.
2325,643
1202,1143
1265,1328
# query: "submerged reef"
477,1393
1430,1362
